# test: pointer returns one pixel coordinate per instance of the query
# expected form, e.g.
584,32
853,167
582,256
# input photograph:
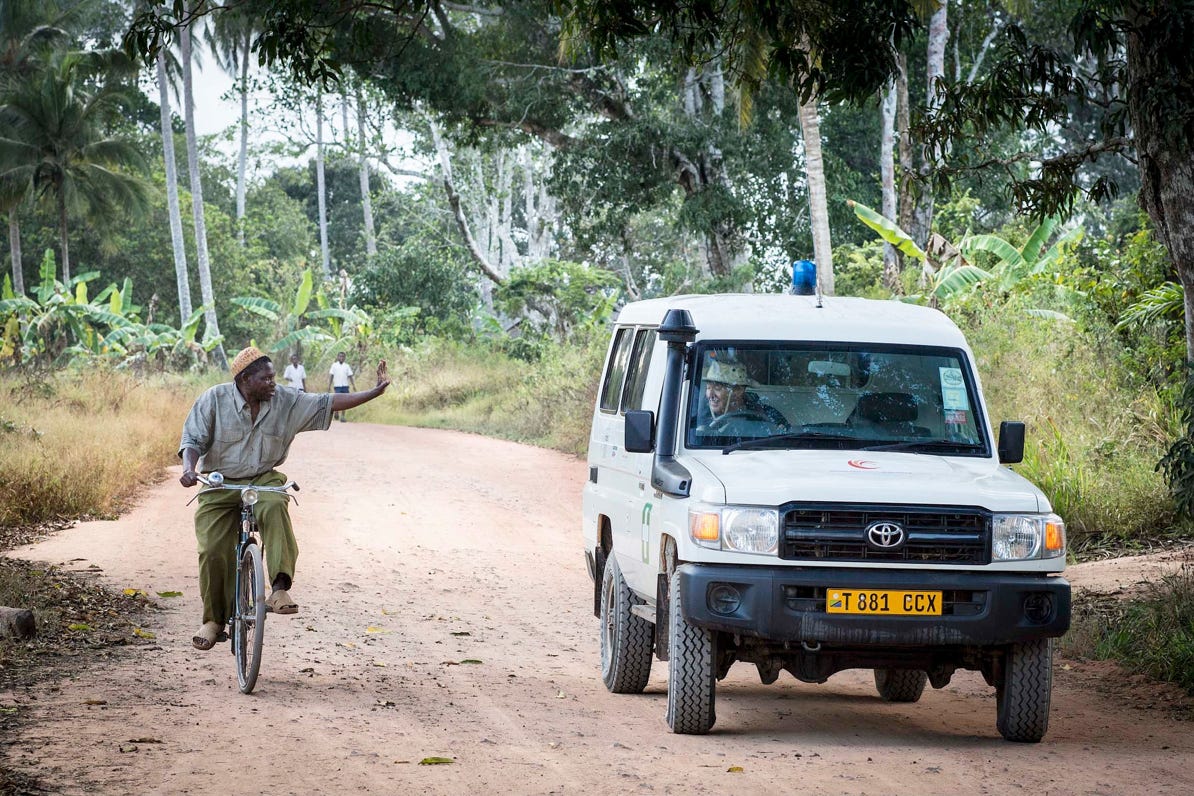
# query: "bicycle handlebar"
215,480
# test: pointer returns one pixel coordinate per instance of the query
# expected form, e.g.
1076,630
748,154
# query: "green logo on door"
646,532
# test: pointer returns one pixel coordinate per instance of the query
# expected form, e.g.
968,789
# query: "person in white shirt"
340,378
295,374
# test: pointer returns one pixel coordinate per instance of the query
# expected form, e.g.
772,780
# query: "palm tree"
814,169
321,186
53,138
211,322
12,195
182,276
231,41
366,199
28,28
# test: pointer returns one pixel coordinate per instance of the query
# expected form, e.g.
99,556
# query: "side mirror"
1011,442
640,431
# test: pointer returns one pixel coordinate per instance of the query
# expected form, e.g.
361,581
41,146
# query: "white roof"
777,316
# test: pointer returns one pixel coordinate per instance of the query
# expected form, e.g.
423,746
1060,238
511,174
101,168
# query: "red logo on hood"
862,464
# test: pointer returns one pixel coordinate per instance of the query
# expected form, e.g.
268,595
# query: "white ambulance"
810,485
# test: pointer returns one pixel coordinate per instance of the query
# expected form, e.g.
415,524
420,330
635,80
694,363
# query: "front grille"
954,602
948,535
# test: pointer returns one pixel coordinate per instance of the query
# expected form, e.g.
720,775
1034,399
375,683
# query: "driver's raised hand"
383,376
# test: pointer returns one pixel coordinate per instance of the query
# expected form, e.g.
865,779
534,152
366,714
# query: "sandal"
280,603
207,636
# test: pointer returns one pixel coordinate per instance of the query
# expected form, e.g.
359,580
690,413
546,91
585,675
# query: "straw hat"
246,357
732,373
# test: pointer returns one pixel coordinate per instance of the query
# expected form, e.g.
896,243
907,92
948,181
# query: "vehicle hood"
772,478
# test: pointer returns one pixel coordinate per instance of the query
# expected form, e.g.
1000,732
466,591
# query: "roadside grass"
81,442
1093,439
1153,633
548,402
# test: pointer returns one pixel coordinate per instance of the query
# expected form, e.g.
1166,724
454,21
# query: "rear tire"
626,639
692,675
248,623
1022,698
900,685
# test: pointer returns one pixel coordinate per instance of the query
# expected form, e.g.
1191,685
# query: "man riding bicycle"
243,429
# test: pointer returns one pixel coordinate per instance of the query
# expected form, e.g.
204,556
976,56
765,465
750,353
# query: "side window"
615,371
636,378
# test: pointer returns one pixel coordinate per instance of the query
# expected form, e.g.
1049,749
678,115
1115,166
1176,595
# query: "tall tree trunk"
540,204
63,242
445,164
907,200
891,259
1164,147
810,127
931,158
366,197
243,156
724,251
211,323
181,277
505,179
321,188
14,248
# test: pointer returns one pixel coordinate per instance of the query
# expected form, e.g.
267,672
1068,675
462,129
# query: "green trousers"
217,527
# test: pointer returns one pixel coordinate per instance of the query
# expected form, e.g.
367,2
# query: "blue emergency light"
804,278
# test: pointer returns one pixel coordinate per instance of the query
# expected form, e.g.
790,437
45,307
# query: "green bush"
1093,436
1153,635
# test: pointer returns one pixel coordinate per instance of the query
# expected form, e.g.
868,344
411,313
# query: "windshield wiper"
798,436
928,445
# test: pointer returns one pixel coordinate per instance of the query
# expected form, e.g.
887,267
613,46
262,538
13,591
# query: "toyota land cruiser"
811,485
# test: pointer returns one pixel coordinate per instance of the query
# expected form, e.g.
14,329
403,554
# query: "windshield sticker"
953,390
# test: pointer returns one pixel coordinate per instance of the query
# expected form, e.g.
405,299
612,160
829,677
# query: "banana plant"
290,323
1165,302
945,275
1031,259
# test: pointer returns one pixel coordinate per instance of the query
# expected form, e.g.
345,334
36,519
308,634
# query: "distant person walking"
295,374
340,378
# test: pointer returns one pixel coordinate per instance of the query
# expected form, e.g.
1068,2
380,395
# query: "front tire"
248,623
626,639
1022,698
692,675
900,685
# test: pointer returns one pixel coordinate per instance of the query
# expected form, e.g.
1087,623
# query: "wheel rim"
607,621
249,619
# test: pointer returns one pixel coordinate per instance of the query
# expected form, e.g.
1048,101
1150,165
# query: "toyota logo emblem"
885,535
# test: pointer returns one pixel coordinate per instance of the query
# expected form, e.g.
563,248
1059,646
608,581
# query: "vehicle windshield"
834,396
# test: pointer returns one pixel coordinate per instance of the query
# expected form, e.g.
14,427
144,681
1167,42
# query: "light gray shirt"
221,428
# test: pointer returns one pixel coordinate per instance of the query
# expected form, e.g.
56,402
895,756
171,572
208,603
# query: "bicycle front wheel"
248,630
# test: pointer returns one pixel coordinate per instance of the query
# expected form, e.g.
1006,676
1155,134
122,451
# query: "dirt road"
446,612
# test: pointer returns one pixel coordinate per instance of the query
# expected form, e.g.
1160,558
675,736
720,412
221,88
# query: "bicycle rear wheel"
249,620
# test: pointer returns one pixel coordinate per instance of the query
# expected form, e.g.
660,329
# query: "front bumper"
787,604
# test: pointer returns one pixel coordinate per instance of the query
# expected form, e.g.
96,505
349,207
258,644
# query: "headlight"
740,529
751,530
1023,537
249,497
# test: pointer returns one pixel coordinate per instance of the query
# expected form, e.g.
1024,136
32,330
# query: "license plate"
886,602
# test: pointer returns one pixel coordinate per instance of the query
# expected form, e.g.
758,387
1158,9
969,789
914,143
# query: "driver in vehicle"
243,429
728,408
725,388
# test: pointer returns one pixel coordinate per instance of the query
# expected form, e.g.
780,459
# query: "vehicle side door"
610,478
643,383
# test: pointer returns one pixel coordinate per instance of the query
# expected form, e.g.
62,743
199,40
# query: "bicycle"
246,626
